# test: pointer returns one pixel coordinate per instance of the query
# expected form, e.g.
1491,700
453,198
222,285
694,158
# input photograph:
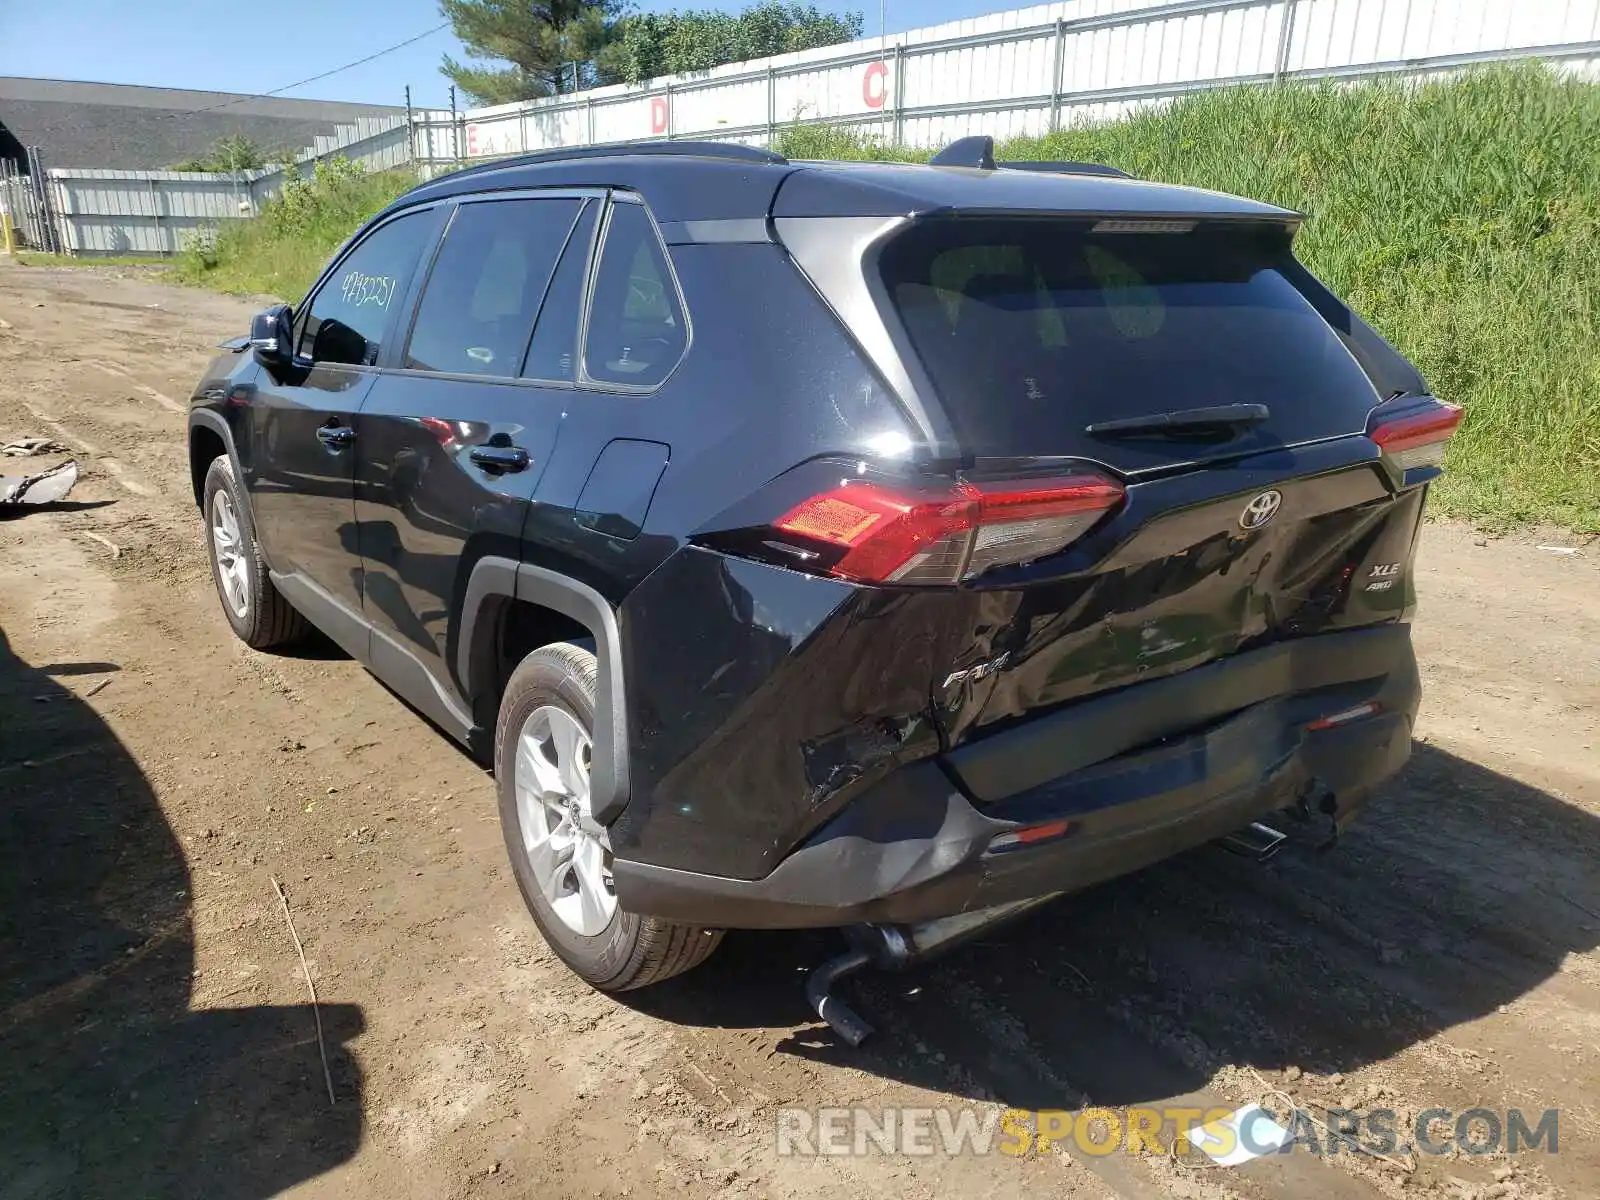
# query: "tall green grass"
1460,217
281,252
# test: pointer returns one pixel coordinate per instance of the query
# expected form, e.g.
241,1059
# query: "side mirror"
272,337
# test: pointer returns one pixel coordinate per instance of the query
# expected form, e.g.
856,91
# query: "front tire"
261,617
561,858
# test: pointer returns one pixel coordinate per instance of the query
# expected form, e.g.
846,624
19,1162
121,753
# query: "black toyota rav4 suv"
837,544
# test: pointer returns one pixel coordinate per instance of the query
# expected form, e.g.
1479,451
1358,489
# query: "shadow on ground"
109,1084
1459,892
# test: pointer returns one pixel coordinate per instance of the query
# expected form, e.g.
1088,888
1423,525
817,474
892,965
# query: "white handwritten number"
360,289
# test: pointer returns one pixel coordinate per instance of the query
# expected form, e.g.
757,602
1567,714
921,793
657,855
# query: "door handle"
335,437
500,458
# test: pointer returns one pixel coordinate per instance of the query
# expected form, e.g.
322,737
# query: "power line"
288,87
52,127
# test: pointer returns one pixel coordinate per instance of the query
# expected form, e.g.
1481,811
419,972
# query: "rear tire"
560,858
260,617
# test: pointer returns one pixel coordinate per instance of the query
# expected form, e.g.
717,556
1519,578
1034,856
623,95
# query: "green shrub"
281,252
1461,217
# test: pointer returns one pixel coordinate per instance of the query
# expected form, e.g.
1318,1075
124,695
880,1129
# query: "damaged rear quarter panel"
761,700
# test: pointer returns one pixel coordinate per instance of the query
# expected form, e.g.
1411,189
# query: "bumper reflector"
1345,716
1029,835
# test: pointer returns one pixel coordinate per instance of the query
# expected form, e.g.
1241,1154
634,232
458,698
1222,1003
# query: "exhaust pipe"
899,946
896,947
1258,841
841,1018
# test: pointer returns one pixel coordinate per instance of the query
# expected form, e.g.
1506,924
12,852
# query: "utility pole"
455,141
411,130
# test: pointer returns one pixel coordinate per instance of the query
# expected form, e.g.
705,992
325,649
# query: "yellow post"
9,235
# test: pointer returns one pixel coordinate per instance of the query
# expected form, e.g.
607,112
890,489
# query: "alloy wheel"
227,545
566,851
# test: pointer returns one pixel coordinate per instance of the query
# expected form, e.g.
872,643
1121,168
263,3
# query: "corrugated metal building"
124,127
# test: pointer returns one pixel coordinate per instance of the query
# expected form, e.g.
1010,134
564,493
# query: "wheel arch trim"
215,423
493,577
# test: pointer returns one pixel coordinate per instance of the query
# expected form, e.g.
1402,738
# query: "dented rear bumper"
1113,795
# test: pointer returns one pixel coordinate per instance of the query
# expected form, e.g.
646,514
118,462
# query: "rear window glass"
1031,330
636,330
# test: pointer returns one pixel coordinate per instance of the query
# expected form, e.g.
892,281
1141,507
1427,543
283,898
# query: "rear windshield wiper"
1184,420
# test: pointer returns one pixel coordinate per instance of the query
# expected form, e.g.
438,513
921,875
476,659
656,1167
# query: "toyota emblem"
1261,510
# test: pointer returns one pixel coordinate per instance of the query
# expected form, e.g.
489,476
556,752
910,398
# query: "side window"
345,320
636,327
553,352
486,285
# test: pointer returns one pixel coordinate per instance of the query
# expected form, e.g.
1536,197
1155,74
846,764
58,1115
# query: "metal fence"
1035,70
104,212
26,203
1028,71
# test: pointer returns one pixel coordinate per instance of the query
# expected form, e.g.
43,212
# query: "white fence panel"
635,116
143,212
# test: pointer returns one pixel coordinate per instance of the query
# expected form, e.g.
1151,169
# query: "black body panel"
914,847
301,488
775,745
427,512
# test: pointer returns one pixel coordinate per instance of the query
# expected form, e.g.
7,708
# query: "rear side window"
552,354
486,286
345,320
1032,329
636,328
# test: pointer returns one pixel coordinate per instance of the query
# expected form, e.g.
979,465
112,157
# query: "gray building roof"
126,127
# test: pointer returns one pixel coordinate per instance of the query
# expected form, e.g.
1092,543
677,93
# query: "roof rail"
1067,168
978,151
687,149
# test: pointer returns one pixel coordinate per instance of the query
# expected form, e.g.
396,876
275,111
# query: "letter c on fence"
658,114
875,84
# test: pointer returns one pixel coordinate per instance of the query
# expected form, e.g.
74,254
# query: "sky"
223,45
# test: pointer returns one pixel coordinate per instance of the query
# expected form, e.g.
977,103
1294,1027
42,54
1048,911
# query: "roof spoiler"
978,151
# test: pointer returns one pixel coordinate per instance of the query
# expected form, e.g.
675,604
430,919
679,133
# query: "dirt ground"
157,1039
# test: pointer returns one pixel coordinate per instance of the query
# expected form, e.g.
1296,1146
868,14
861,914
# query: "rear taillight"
1417,439
950,535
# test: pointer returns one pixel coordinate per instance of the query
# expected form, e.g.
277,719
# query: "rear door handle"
500,458
335,436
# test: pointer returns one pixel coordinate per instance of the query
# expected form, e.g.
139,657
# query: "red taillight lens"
1029,835
1417,439
886,536
946,537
